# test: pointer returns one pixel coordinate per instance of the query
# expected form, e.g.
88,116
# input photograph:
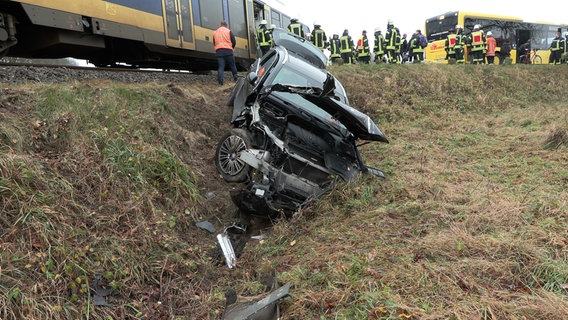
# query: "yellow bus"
509,31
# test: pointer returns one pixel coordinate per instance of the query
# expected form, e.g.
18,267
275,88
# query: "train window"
196,12
237,18
285,21
211,13
276,19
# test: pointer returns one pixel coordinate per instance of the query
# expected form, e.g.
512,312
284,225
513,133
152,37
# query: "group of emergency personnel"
387,48
480,47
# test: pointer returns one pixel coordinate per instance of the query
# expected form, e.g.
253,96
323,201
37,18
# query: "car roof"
300,47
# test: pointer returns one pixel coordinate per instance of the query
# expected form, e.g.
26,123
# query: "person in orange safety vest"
491,46
224,42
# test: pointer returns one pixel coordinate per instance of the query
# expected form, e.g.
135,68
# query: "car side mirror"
252,77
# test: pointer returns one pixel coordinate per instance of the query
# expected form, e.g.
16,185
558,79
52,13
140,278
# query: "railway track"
25,72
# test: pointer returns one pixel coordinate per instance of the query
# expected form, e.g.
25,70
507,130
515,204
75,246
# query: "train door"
251,22
260,12
178,23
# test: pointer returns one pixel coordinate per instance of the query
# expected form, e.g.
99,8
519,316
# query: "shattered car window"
302,74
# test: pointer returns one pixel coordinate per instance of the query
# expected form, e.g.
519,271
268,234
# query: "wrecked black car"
293,131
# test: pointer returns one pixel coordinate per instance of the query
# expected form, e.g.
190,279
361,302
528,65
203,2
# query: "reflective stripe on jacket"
415,45
556,44
319,38
345,44
334,48
379,44
491,45
263,36
296,28
477,41
363,47
222,39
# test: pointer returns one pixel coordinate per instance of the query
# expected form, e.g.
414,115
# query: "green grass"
105,181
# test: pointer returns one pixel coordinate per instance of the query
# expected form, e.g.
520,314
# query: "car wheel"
227,160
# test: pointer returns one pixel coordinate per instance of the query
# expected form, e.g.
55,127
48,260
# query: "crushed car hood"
358,123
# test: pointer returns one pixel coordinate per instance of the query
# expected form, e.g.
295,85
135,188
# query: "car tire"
227,161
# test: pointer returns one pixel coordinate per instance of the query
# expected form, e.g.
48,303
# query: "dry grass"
471,222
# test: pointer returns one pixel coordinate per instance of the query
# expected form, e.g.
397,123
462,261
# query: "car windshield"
297,72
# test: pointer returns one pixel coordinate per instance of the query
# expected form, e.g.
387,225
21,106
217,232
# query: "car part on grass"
227,248
238,233
262,307
206,225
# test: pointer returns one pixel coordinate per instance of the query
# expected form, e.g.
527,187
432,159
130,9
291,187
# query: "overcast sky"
409,15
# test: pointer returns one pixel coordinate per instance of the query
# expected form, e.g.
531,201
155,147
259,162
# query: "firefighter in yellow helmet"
264,37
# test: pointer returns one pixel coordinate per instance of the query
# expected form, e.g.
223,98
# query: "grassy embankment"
101,183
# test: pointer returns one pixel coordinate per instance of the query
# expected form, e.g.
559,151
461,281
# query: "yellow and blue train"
166,34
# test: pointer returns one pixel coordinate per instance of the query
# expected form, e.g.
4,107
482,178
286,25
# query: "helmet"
389,23
377,29
263,22
489,33
566,33
272,26
294,20
476,27
364,31
459,26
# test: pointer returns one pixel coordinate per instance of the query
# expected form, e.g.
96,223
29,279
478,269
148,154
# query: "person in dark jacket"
363,51
450,46
392,43
346,47
404,49
505,52
319,38
460,45
264,37
335,49
224,42
379,46
296,28
523,50
556,49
